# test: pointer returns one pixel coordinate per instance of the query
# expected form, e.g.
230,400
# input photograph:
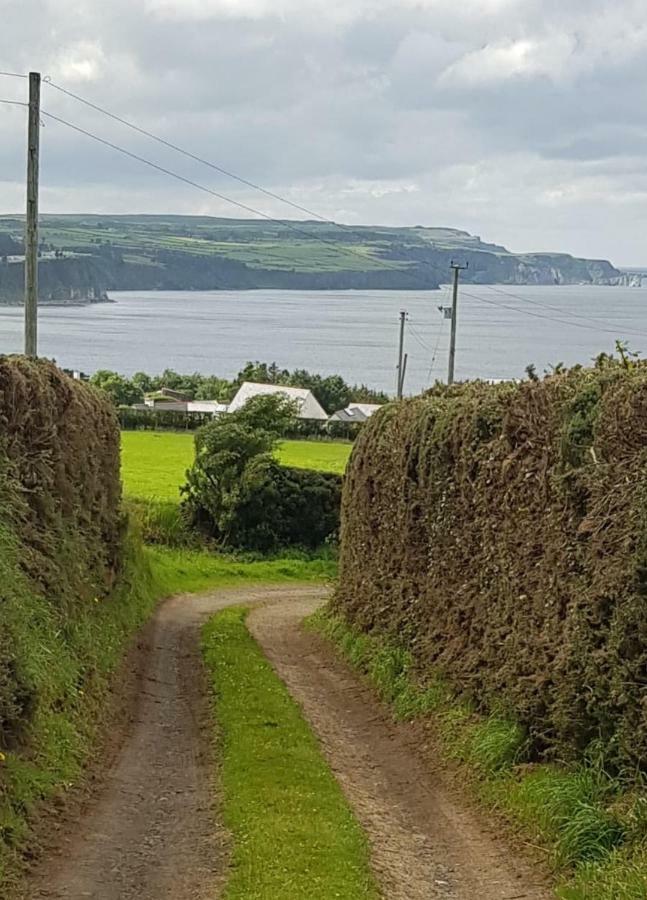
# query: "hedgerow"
500,533
74,586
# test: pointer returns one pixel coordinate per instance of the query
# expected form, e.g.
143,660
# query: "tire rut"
425,844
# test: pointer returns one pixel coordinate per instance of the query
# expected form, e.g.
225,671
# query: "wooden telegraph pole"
452,339
31,220
402,357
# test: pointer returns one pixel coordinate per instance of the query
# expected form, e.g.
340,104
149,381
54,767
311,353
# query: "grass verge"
595,836
294,834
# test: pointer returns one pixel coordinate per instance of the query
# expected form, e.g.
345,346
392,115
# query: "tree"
361,393
240,495
143,382
262,373
213,388
333,393
229,484
121,391
272,413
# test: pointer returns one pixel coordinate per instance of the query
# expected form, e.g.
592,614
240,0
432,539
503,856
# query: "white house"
355,412
307,404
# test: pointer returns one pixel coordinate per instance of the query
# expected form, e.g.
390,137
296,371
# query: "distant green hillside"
200,253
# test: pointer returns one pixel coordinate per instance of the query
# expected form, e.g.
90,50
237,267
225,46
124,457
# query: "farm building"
158,405
207,406
166,395
355,412
307,404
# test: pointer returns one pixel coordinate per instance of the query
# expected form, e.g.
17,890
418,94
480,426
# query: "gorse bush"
241,497
500,531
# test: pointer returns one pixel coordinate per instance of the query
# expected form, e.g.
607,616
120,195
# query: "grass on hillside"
595,836
154,463
293,832
274,248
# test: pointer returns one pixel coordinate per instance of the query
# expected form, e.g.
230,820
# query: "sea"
501,329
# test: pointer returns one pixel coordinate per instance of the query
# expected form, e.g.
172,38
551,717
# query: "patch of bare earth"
425,842
150,830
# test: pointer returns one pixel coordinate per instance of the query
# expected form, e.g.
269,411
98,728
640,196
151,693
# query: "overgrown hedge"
73,584
60,507
273,507
500,532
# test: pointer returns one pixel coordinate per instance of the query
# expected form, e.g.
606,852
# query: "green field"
318,455
304,247
154,463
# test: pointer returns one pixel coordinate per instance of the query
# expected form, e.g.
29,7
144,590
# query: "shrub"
269,507
239,495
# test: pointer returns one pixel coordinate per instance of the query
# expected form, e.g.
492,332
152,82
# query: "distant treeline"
332,392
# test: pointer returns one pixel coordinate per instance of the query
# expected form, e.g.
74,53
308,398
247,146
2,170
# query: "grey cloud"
515,119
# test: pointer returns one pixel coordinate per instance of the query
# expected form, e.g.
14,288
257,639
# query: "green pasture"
154,463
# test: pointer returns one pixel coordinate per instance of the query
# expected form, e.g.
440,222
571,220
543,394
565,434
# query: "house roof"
355,412
308,405
366,408
180,396
348,415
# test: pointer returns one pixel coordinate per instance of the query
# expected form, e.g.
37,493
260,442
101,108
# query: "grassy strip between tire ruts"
594,832
294,835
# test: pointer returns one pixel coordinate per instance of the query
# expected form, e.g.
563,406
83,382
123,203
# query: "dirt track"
150,832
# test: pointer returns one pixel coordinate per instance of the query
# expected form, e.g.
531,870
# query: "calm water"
354,333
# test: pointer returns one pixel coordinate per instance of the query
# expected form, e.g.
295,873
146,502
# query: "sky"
522,121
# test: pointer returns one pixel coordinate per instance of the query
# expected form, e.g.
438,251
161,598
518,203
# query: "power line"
419,339
14,75
14,102
229,174
201,187
220,169
435,353
558,309
527,312
190,155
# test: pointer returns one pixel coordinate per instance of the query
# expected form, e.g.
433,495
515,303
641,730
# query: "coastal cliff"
85,257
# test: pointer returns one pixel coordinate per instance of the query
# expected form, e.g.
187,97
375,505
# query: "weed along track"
153,830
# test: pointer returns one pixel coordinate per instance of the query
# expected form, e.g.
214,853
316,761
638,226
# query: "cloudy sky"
523,121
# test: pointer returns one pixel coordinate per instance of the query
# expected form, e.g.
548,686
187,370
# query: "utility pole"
401,367
452,340
31,220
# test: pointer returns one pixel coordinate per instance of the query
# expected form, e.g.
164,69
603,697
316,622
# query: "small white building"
207,406
307,404
355,412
